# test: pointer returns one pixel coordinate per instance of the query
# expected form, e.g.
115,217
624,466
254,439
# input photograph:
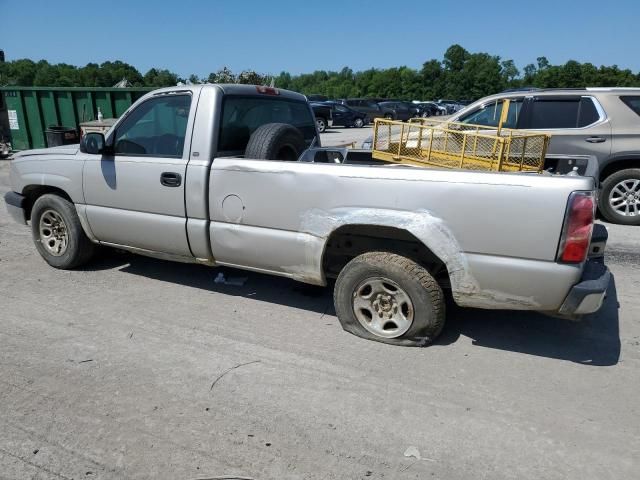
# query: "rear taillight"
577,229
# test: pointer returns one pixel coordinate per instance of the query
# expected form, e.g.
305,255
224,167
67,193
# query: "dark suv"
364,105
395,110
604,122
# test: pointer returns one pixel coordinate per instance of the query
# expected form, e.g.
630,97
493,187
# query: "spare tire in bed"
275,141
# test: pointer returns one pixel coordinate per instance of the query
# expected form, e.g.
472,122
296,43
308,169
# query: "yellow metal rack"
426,142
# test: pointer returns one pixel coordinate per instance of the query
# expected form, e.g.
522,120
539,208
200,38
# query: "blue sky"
197,36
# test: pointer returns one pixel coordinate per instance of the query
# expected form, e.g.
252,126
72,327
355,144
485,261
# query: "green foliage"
25,72
159,78
460,74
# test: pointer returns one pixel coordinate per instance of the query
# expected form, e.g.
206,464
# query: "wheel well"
617,165
33,192
347,242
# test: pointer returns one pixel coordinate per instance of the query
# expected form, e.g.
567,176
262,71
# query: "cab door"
135,195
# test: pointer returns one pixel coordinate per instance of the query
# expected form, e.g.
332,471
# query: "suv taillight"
577,229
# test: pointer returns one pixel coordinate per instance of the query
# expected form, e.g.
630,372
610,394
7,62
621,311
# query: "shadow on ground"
593,341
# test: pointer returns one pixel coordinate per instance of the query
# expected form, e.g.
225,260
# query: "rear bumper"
16,206
588,295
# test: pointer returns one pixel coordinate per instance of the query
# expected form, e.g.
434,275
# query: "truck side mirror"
93,143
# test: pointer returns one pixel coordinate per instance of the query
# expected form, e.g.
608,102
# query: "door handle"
595,139
170,179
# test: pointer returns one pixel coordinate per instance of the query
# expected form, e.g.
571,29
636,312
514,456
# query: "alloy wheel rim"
382,307
624,197
54,235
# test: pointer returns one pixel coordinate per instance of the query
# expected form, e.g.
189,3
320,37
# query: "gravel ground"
134,368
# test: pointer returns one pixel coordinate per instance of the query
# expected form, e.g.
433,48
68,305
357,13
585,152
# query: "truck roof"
234,89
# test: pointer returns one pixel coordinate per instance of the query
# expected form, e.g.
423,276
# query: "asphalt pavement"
352,137
135,368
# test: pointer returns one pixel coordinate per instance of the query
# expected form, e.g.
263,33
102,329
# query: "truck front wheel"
620,197
57,233
388,298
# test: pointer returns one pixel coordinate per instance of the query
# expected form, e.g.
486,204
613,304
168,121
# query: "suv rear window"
570,112
633,103
241,116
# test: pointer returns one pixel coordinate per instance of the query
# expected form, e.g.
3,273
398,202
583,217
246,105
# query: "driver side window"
156,128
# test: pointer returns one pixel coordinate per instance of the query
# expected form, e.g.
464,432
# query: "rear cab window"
242,115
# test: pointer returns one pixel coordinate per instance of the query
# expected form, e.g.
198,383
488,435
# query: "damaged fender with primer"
430,230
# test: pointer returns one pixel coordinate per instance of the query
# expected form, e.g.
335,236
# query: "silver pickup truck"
234,175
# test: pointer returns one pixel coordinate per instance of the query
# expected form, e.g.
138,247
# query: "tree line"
459,75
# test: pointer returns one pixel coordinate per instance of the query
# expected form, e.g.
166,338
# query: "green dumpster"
28,112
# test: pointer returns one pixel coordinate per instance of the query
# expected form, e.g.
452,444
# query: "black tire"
321,124
275,141
604,203
388,116
79,249
415,281
358,122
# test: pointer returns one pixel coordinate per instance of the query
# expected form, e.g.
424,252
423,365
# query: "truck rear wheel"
57,233
620,197
275,141
388,298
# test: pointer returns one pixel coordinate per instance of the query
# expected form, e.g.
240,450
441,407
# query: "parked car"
604,122
428,109
364,105
442,109
323,113
345,116
394,110
450,106
164,183
415,110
